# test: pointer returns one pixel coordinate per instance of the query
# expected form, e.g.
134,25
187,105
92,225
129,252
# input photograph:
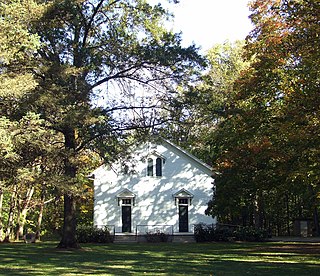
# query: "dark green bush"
206,233
157,236
87,234
250,234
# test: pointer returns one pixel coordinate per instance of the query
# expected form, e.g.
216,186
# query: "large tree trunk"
69,223
1,202
13,202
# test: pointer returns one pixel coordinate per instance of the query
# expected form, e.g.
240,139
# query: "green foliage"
22,143
92,234
266,143
204,232
93,49
197,110
17,47
88,49
52,218
157,236
208,233
251,234
15,39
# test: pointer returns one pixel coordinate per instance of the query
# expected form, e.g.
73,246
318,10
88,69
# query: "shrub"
87,234
157,236
207,233
251,234
203,232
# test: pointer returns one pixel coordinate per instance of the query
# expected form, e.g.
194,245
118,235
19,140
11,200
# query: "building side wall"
154,203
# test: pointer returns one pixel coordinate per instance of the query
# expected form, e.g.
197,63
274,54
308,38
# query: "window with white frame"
150,167
159,166
155,166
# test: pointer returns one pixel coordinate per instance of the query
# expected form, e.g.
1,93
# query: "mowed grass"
161,259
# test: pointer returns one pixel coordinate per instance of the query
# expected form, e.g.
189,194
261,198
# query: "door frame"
125,198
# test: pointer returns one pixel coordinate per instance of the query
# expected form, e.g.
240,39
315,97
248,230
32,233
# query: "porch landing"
133,238
125,238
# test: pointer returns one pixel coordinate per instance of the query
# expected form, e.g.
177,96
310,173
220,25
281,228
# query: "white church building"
158,187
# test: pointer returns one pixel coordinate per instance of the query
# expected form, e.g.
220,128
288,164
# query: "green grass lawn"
162,259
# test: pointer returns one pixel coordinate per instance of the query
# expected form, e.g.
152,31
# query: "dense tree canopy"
77,75
19,149
100,48
267,155
198,110
17,46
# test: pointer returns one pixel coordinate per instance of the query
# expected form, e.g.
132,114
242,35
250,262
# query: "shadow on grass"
156,259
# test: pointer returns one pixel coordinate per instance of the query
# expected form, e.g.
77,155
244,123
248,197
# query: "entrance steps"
183,239
125,238
132,238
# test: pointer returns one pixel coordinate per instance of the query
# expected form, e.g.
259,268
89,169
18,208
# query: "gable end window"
155,166
159,166
150,167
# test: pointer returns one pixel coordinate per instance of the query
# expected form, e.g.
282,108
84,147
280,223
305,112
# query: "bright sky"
207,22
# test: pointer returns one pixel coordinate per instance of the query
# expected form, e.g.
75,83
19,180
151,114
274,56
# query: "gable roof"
179,151
201,165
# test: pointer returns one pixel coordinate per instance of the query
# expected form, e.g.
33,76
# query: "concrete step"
125,239
184,238
133,239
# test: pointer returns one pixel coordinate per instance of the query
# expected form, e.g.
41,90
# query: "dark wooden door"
126,218
183,218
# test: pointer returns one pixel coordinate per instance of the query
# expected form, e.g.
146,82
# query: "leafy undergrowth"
161,259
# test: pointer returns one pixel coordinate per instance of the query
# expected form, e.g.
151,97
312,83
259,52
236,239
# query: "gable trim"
182,194
203,166
125,194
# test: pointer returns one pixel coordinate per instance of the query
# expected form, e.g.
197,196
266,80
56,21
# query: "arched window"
150,167
159,166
